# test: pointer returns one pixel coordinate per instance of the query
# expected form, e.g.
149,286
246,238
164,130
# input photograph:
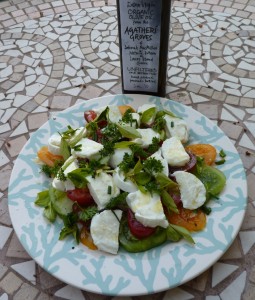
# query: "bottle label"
140,42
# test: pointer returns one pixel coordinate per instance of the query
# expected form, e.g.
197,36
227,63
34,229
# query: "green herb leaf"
172,234
123,144
43,198
142,178
165,181
79,177
68,133
183,232
117,201
50,213
77,147
152,165
148,115
88,213
64,149
129,132
168,201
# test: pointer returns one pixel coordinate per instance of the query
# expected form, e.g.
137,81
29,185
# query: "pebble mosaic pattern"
55,53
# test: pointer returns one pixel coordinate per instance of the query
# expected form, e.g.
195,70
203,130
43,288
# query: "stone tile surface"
55,53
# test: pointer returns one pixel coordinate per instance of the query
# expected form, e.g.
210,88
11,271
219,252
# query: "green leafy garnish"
88,213
183,232
117,201
52,171
148,115
129,132
77,147
61,176
68,133
152,165
127,163
70,227
65,150
168,202
79,177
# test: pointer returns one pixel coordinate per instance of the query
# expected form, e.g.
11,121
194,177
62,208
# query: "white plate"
159,269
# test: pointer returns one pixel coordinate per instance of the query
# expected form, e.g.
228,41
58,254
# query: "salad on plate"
129,178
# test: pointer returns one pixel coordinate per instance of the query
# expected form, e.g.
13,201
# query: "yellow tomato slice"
206,151
47,157
86,239
189,219
124,108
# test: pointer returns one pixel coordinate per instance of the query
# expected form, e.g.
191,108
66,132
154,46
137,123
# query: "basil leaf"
43,198
129,132
168,202
184,233
148,115
50,213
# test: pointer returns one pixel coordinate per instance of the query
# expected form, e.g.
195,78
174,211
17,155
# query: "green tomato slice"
213,179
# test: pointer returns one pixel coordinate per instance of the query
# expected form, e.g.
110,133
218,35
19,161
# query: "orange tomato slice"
86,239
47,157
206,151
189,219
124,108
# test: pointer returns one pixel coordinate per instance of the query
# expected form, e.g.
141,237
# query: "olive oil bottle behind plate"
143,38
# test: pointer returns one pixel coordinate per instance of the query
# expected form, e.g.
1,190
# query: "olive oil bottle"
143,38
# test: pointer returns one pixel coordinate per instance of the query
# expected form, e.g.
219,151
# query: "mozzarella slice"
54,144
117,156
89,149
147,208
104,230
176,127
174,152
159,157
147,135
66,185
193,192
99,188
123,183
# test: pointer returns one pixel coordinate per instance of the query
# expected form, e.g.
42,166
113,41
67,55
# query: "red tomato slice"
189,165
137,229
81,196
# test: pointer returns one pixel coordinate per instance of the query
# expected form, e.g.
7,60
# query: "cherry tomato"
90,115
189,165
189,219
47,157
81,196
206,151
137,229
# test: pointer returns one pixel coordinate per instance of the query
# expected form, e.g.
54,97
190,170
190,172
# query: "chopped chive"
207,210
109,191
220,162
172,124
222,153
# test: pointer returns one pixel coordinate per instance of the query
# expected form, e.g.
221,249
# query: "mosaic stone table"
55,53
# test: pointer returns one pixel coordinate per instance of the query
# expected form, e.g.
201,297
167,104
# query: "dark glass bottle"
143,38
